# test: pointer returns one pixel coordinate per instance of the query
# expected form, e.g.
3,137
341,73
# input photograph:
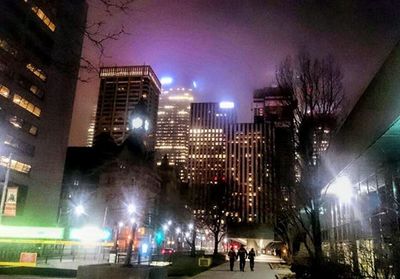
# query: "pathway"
261,270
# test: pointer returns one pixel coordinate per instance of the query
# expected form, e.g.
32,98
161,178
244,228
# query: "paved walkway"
261,270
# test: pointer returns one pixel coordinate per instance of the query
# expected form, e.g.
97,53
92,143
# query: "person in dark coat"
242,254
232,258
252,255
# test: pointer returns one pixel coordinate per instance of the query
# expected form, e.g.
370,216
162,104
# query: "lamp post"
5,185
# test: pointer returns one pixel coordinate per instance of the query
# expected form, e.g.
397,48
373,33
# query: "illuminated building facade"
92,125
249,170
121,89
207,145
172,135
37,88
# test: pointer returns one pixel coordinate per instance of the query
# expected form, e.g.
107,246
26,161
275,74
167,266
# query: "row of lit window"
17,99
15,165
19,123
44,18
37,72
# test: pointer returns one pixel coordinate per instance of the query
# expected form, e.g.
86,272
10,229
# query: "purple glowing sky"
231,47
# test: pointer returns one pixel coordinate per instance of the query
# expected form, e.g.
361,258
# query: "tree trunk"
316,229
193,245
216,243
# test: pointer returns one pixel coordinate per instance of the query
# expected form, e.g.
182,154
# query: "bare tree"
214,216
315,86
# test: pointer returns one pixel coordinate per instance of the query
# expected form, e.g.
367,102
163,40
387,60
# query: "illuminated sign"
89,234
31,232
226,105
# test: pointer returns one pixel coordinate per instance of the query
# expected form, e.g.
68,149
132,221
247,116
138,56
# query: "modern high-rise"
121,90
37,88
207,145
172,135
249,167
273,106
90,130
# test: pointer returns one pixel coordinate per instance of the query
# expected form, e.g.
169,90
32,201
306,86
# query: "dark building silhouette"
37,88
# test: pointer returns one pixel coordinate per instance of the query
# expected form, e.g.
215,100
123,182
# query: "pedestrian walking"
252,255
242,254
232,258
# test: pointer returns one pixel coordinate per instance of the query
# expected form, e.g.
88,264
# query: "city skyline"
243,49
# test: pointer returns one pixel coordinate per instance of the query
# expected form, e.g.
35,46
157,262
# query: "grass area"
184,265
46,272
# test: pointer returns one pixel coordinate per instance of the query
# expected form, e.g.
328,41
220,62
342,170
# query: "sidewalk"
262,269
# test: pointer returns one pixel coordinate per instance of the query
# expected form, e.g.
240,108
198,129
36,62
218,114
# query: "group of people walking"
242,254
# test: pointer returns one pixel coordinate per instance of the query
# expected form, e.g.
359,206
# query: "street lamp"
5,185
79,210
169,223
190,226
342,189
131,209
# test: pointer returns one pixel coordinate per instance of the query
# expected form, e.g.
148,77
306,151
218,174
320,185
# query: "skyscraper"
37,88
92,125
249,167
274,107
207,145
172,135
121,89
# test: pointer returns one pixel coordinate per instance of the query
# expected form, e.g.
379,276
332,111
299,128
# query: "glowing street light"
342,189
165,227
79,210
137,122
190,226
120,224
178,230
131,208
169,223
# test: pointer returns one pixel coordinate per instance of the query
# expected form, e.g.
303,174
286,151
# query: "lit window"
33,130
36,71
4,91
27,105
15,165
44,18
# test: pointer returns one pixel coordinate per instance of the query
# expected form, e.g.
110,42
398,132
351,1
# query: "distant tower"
273,106
207,145
121,88
172,135
249,167
92,124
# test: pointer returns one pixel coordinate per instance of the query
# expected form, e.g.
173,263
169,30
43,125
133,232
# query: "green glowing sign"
31,232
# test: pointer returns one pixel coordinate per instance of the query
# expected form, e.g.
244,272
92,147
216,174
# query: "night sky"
231,47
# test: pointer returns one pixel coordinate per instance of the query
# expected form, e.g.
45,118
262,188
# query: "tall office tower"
274,106
249,166
37,88
172,135
121,90
207,146
92,125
